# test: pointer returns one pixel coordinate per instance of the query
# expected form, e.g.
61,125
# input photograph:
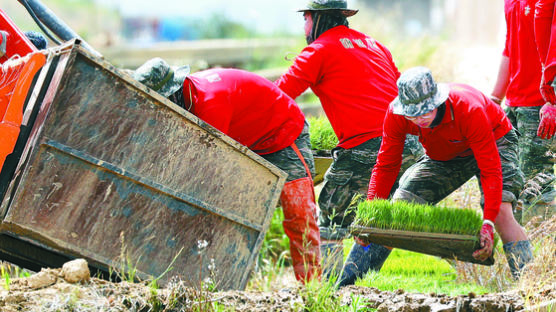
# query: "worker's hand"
547,124
547,91
486,239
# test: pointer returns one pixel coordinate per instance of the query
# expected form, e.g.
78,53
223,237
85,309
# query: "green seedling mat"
450,246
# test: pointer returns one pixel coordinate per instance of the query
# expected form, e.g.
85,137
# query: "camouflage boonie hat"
329,5
157,74
418,94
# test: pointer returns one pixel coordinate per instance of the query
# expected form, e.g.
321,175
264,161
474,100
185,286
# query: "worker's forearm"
503,79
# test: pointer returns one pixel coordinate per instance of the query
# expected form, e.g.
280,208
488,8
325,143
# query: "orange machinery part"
16,41
15,80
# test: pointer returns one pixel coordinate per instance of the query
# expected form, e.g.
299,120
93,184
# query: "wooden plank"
452,246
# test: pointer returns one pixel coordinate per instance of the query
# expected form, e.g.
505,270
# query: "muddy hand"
486,239
547,124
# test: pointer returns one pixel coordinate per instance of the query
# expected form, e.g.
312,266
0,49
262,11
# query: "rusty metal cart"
109,166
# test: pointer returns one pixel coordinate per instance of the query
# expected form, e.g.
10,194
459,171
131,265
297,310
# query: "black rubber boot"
361,260
518,255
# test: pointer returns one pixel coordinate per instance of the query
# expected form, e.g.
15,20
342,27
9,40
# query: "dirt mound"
70,288
54,293
385,301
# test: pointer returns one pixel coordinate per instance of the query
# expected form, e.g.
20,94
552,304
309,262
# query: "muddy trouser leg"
300,224
298,203
335,216
346,179
536,160
518,255
362,259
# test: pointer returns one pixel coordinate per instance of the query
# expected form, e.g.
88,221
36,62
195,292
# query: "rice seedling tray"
451,246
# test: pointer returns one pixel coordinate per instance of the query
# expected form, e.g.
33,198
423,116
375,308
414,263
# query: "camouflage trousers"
536,156
349,176
287,160
429,181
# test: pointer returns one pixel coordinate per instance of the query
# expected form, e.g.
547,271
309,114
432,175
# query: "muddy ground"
71,288
54,293
74,290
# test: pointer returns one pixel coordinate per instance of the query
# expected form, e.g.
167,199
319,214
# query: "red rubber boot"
300,224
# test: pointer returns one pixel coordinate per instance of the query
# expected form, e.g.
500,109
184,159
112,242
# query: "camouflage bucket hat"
329,5
418,93
159,76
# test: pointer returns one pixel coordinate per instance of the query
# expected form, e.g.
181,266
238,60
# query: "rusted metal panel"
452,246
111,164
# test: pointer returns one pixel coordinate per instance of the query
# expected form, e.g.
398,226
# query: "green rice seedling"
6,277
383,214
322,134
419,273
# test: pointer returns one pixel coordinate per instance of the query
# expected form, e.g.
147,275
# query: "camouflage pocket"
338,177
364,156
290,153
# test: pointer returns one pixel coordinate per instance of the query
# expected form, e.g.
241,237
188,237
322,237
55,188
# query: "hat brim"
345,12
414,110
169,88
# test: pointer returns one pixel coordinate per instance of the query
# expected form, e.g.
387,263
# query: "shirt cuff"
486,221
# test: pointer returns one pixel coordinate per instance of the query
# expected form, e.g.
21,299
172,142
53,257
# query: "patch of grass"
321,296
127,270
9,271
383,214
322,135
274,255
496,277
6,277
419,273
539,275
276,243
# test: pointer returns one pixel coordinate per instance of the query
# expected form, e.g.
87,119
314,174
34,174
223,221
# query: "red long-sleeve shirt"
525,67
471,125
354,77
247,107
545,37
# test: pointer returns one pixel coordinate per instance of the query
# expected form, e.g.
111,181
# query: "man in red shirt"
546,47
545,39
253,111
518,80
354,77
464,135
